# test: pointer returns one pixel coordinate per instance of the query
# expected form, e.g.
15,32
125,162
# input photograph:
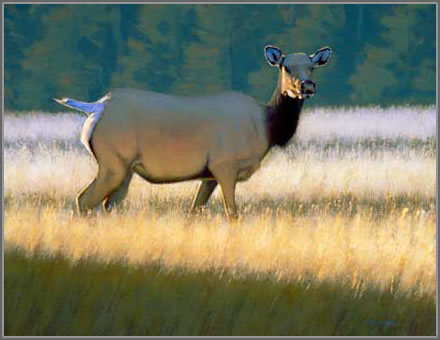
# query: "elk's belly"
172,160
177,176
141,170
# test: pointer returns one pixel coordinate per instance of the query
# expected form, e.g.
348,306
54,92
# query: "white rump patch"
90,123
89,126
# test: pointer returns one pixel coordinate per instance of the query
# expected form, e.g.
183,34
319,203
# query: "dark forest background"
382,54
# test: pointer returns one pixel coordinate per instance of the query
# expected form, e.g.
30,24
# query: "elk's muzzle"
308,88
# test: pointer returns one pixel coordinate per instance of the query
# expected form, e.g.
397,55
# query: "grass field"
337,236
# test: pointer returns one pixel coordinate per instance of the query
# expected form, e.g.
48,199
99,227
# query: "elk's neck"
282,116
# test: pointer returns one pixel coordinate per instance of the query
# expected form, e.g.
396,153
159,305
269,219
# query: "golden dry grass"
383,232
61,173
362,251
357,213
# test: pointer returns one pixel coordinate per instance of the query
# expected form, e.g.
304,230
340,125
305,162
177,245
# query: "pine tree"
153,50
21,30
207,64
73,58
262,80
382,54
423,82
226,45
392,71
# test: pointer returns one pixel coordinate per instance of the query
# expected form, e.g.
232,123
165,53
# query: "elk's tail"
87,108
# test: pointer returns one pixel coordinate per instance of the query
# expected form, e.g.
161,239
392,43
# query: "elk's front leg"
204,192
226,176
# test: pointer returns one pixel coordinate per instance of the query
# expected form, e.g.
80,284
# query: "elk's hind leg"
107,181
116,197
204,192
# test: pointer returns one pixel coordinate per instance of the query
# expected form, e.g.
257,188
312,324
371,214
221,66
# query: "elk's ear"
273,55
321,56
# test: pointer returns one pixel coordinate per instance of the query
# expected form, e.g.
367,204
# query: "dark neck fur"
282,116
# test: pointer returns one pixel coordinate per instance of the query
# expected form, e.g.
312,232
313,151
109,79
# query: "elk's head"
296,70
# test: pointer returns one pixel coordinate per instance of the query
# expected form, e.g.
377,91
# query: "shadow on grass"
51,296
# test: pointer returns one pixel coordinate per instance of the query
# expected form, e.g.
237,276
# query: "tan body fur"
218,139
176,138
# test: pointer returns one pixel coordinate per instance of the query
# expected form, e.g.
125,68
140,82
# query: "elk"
217,139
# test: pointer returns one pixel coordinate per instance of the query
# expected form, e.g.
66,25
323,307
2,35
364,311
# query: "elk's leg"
204,192
116,198
226,176
106,182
